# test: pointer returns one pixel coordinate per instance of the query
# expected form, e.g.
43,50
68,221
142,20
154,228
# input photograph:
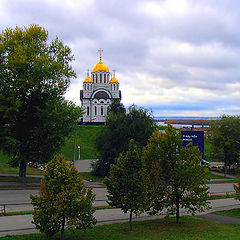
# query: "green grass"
31,212
223,196
86,136
17,179
5,168
190,228
213,176
223,181
231,213
90,177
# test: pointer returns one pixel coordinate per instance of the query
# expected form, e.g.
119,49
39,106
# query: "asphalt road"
22,196
12,197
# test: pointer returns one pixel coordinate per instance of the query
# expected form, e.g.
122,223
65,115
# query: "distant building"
98,92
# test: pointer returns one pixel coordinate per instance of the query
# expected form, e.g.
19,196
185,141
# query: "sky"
174,57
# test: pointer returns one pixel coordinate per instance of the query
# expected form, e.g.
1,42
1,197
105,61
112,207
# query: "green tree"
125,183
34,75
62,200
237,186
116,107
225,139
136,124
173,175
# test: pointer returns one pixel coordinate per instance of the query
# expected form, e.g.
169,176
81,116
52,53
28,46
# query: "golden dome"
100,67
113,80
88,80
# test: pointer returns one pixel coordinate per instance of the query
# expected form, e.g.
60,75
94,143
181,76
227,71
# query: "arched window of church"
84,86
88,87
93,77
101,110
104,78
114,87
88,111
100,78
95,110
96,78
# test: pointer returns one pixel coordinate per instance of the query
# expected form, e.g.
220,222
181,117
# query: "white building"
98,92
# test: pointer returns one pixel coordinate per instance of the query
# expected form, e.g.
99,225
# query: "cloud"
178,57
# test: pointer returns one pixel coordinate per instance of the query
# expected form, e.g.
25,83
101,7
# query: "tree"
116,107
136,124
173,175
225,139
125,183
63,199
34,75
237,186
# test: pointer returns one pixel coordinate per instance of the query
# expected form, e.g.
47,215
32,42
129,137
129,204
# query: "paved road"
16,225
22,196
220,188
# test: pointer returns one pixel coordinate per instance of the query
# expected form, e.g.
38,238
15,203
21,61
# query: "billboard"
196,137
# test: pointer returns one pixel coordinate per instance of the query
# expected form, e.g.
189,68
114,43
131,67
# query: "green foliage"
125,183
173,175
116,107
237,186
225,139
63,198
136,124
34,75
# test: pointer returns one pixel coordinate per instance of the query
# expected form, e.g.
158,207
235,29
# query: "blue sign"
196,137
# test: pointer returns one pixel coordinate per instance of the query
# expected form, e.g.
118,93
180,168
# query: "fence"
19,207
27,206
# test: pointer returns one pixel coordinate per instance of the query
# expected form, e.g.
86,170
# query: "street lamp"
78,152
75,139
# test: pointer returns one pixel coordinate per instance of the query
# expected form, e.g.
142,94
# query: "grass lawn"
5,168
89,177
189,228
17,179
86,136
213,176
231,213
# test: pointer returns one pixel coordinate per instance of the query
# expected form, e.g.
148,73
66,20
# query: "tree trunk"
22,170
130,220
62,229
177,211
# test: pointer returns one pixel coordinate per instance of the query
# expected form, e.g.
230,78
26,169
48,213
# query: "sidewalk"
222,174
21,224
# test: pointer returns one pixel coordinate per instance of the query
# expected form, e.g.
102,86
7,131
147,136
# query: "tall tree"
34,75
116,107
173,175
125,183
225,139
237,186
136,123
62,199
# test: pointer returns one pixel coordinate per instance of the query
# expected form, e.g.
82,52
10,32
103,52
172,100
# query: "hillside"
85,139
86,136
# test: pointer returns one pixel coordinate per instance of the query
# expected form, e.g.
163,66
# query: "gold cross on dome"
114,72
88,72
100,53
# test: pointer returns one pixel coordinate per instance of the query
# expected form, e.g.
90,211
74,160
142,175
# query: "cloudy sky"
177,57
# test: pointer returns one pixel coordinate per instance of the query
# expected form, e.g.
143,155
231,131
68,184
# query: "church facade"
99,89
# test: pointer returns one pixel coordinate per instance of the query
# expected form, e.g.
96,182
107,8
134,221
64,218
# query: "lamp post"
75,140
78,152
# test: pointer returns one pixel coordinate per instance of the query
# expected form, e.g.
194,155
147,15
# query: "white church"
98,92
